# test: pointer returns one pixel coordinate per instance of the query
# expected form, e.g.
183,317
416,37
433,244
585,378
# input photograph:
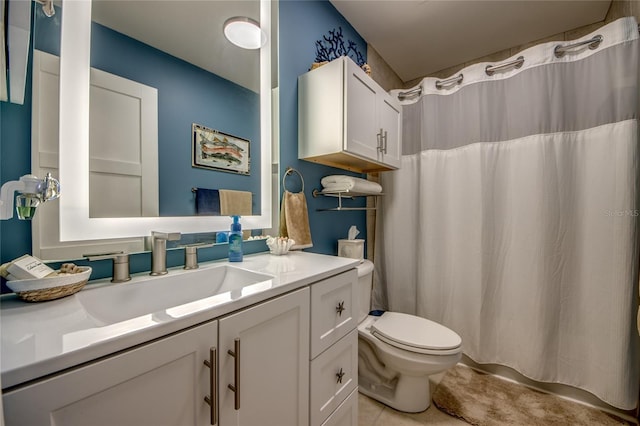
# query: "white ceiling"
417,38
188,29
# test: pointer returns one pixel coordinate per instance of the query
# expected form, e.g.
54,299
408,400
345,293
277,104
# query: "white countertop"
42,338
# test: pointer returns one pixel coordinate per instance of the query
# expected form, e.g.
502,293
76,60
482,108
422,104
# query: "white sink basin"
176,294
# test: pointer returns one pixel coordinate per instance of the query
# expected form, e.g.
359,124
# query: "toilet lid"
415,334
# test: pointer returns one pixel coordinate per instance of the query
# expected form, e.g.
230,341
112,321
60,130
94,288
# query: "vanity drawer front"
346,414
334,310
334,375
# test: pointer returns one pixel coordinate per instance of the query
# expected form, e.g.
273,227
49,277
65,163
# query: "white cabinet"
334,349
346,120
262,352
160,383
271,374
266,371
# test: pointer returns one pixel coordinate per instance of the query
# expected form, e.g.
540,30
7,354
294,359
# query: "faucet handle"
169,236
120,268
191,254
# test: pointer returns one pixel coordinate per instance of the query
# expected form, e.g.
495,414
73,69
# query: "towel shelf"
344,194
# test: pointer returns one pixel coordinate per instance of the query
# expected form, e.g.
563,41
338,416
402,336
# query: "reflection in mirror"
204,85
177,107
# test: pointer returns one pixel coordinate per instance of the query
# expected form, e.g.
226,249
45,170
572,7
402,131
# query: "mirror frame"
75,223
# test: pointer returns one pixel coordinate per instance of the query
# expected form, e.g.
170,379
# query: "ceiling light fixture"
244,32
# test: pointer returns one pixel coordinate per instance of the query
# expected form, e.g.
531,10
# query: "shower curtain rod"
559,52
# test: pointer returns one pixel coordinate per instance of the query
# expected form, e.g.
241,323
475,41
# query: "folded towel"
349,183
294,220
207,202
236,203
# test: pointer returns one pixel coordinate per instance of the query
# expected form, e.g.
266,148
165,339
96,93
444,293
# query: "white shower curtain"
514,217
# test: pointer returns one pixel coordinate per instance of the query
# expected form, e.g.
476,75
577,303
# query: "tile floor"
373,413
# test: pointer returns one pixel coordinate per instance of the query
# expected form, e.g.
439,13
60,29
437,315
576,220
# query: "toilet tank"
365,282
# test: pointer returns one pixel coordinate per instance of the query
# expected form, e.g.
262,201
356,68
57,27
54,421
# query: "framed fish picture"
212,149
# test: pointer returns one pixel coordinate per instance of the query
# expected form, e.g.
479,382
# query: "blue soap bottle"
235,240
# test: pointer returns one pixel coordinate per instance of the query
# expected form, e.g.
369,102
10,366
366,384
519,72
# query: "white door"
161,383
124,155
272,366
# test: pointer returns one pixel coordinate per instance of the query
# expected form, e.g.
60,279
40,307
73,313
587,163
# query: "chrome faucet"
159,250
120,268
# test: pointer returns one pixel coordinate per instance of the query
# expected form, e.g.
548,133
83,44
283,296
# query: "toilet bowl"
398,352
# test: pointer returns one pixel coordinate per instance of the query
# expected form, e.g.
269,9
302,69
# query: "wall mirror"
210,83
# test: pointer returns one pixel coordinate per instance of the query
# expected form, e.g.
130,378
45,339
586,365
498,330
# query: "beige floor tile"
368,410
372,413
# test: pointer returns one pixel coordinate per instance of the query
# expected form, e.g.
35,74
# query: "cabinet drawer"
346,414
334,310
334,375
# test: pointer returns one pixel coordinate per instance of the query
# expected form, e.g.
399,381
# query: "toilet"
398,352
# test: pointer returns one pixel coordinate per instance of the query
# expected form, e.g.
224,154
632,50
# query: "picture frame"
215,150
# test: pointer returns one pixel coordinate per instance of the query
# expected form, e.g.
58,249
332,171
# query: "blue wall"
301,24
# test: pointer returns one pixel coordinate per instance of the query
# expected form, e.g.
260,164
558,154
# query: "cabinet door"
334,310
161,383
346,414
390,114
271,373
360,121
334,375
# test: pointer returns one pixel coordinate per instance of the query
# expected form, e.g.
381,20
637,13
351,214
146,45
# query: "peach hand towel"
294,220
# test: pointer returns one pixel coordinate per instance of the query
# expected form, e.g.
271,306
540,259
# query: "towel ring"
291,170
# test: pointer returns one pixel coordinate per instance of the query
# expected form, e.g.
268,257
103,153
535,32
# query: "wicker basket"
50,288
51,293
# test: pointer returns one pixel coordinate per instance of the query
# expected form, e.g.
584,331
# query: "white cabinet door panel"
334,375
274,363
161,383
346,414
334,310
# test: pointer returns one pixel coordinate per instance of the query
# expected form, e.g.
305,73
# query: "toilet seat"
416,334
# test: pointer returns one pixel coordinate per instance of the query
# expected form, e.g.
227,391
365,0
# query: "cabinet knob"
340,374
340,308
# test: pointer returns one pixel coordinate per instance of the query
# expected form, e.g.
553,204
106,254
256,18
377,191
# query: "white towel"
349,183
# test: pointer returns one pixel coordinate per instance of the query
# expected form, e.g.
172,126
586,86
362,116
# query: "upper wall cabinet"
346,120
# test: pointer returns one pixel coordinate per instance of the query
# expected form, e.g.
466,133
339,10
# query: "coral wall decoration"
333,46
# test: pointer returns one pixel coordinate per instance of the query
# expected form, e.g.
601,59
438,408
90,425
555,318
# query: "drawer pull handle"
235,387
212,398
340,374
340,308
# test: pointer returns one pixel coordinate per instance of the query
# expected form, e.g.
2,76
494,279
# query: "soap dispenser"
235,240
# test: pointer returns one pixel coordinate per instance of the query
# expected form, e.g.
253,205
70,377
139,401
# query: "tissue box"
351,248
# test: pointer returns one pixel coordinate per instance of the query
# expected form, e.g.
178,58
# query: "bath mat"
482,399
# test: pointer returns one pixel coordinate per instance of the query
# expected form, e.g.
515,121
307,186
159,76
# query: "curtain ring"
289,171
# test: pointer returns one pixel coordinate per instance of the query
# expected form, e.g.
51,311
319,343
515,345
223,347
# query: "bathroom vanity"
271,342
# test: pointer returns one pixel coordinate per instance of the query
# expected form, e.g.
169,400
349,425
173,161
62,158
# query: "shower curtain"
514,217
